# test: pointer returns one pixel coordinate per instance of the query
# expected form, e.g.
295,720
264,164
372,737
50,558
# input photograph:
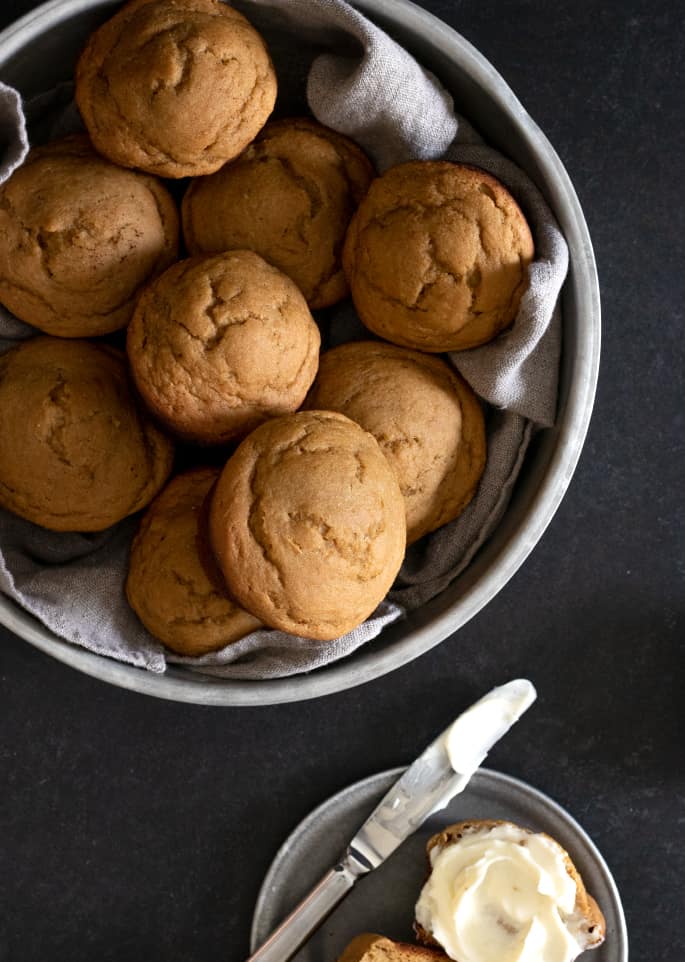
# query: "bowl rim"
180,684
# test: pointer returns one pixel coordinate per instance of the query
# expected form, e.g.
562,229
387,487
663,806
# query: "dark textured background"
135,829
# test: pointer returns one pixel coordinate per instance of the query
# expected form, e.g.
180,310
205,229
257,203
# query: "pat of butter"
472,735
500,894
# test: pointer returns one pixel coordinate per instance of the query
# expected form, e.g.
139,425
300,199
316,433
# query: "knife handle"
305,918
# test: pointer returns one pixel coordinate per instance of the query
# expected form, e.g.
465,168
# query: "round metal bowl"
40,50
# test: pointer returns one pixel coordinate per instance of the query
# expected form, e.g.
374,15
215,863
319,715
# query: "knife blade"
438,774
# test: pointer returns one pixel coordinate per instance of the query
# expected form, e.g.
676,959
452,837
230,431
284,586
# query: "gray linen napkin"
374,91
13,137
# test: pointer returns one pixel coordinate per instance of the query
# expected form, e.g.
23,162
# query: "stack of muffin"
333,463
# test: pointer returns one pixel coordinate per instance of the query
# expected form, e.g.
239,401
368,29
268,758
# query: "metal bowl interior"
40,50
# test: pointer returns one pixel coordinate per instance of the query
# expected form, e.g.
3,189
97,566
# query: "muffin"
79,238
219,344
175,87
76,453
172,584
437,255
290,197
426,419
496,890
369,947
307,524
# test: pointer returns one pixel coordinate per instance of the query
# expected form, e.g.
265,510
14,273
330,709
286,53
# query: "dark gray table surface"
136,829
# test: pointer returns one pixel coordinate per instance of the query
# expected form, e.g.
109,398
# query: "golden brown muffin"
219,344
584,923
290,197
76,453
175,87
369,947
437,255
426,418
79,237
171,584
307,523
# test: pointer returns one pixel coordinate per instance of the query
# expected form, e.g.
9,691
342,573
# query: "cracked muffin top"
437,256
172,583
76,452
175,87
425,417
307,524
220,343
289,197
79,237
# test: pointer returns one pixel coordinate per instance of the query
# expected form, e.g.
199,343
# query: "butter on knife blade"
441,772
469,739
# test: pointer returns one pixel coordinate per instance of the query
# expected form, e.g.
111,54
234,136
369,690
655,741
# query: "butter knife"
440,773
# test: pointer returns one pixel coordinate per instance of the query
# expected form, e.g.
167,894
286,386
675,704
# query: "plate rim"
489,775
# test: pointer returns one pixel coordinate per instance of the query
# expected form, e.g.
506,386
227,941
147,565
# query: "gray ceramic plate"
384,900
